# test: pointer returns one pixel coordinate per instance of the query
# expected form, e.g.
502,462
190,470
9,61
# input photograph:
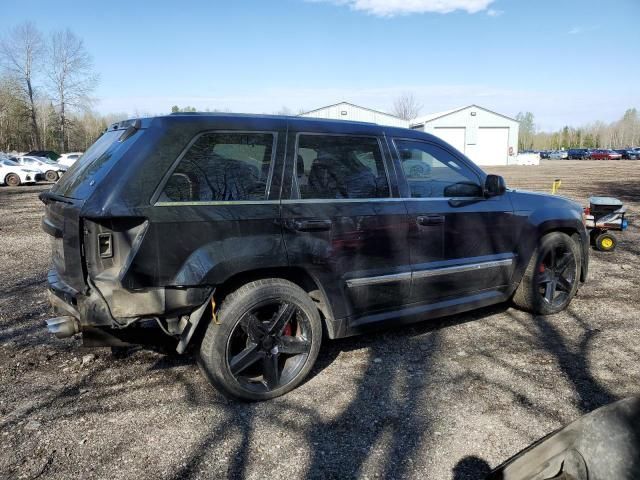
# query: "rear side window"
223,167
337,167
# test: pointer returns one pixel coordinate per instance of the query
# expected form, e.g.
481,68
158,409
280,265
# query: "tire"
554,266
250,328
51,176
606,242
12,180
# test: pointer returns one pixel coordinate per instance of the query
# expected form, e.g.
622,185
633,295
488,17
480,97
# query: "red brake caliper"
287,330
541,268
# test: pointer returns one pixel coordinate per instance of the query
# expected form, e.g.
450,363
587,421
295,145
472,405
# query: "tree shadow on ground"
625,190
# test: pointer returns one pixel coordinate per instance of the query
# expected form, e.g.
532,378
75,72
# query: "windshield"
11,163
87,172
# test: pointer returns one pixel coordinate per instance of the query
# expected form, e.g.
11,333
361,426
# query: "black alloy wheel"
556,276
269,346
263,341
552,276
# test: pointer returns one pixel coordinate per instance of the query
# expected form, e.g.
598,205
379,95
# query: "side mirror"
494,185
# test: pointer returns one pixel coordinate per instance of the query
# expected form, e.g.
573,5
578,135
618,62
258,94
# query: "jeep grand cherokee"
252,237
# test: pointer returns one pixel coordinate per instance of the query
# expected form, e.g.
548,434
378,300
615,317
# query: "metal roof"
353,105
433,116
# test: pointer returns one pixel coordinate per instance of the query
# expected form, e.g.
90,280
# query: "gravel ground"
443,399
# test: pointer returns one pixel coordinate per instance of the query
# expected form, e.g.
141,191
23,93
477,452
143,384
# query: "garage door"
492,146
454,136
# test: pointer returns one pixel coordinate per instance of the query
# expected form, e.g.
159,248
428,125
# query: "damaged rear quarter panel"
189,245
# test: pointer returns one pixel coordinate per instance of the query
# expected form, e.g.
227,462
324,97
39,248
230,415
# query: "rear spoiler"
47,196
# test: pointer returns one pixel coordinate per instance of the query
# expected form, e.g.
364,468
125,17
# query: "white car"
68,159
50,170
13,174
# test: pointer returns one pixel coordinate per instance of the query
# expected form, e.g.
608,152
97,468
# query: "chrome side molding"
394,277
433,272
462,268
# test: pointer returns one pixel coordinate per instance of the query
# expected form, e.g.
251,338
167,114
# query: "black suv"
253,237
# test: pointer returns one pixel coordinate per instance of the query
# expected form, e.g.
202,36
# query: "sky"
567,61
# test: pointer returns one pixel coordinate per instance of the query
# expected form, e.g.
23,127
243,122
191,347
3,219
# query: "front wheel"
51,176
552,276
265,341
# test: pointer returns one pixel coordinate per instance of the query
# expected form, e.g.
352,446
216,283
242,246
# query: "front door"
460,241
342,223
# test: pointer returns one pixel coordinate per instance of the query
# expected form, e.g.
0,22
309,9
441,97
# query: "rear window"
83,176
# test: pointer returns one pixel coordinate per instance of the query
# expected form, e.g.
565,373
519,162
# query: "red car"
605,155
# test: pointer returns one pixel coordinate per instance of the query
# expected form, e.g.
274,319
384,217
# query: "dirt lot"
443,399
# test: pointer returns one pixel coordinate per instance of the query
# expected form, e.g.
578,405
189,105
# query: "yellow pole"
556,186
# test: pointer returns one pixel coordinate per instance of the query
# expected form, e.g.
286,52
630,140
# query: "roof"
352,105
263,116
433,116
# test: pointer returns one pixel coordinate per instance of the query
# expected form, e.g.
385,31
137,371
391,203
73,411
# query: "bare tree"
71,78
21,54
406,106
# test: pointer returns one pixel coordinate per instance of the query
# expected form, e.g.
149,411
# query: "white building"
486,137
355,113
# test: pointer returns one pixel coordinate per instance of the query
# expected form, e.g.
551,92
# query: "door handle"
430,220
312,225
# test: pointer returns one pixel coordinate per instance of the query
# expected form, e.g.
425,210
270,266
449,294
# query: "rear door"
343,222
460,241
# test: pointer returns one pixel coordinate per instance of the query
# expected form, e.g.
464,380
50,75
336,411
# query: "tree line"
622,133
46,83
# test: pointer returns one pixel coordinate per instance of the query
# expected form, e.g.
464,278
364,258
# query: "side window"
336,167
432,172
222,167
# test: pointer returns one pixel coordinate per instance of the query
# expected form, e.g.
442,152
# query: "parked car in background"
13,174
629,154
68,159
604,154
578,153
558,155
254,236
50,170
50,154
544,154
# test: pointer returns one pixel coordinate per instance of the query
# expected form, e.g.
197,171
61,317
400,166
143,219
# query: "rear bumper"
89,310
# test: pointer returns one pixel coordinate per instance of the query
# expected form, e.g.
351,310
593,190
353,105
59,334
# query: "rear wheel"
51,176
552,276
265,342
12,180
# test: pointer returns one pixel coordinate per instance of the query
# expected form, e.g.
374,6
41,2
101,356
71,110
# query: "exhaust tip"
63,327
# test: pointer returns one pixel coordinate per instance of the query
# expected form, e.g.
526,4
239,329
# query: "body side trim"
462,268
396,277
